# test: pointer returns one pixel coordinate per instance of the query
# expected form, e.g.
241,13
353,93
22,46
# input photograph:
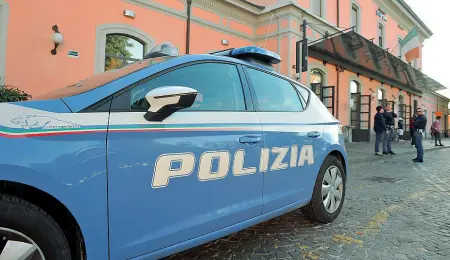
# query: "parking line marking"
347,240
373,227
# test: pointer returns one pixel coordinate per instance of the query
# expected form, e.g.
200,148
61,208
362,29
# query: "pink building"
103,34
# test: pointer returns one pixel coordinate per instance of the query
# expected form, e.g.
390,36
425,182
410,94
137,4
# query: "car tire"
24,222
315,210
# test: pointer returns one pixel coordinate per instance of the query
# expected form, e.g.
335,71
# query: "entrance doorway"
360,113
408,114
360,117
324,93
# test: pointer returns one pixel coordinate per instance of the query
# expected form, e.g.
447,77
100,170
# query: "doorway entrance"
324,93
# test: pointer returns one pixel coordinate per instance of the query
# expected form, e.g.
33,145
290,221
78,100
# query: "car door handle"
250,139
313,134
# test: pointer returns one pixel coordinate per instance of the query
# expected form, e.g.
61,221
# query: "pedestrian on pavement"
400,129
389,121
419,131
379,128
436,126
411,130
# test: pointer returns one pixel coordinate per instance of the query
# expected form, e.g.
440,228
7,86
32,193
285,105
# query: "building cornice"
404,16
415,17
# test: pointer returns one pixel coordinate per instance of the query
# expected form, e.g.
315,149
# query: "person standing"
419,131
380,128
411,130
437,131
389,120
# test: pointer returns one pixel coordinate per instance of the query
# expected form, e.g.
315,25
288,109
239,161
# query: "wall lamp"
57,38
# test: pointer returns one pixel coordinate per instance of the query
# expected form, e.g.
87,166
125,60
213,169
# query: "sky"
434,13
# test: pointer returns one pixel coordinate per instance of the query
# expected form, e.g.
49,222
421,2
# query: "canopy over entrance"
358,54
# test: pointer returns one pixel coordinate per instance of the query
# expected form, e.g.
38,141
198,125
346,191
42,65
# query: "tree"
116,45
12,94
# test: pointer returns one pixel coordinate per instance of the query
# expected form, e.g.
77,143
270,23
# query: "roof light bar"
256,53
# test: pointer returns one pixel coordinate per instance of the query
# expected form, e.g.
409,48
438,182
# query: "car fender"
337,147
93,227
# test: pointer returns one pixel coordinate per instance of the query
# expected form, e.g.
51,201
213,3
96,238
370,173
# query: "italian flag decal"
410,45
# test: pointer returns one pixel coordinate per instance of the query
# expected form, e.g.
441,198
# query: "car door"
290,140
189,175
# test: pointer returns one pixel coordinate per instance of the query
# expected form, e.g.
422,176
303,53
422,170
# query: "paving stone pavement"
394,209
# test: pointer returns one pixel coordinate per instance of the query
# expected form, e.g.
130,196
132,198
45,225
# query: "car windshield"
101,79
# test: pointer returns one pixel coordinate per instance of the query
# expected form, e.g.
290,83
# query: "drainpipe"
338,70
188,25
338,73
337,12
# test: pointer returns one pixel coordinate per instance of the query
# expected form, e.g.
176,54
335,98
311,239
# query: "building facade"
106,34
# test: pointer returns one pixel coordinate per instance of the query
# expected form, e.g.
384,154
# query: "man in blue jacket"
380,128
419,131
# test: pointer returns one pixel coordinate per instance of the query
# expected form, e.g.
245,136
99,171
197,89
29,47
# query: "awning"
358,54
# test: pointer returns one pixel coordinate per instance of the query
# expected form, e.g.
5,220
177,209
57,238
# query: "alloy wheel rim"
332,189
17,246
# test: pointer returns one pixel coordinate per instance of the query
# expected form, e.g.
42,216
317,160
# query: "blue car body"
102,165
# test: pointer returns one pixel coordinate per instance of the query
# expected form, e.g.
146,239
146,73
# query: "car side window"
274,94
218,86
304,93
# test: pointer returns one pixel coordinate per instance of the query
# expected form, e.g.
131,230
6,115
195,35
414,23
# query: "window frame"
321,7
123,96
355,8
303,102
381,35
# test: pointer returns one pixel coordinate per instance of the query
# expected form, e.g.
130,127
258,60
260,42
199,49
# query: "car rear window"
101,79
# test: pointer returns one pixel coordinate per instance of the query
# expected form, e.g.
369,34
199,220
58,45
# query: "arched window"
416,104
355,17
121,50
401,100
355,87
317,80
316,76
381,35
381,96
316,7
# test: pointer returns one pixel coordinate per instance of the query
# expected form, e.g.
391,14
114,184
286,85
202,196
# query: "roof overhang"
356,53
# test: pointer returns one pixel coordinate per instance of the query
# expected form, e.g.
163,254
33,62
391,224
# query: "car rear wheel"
329,192
27,232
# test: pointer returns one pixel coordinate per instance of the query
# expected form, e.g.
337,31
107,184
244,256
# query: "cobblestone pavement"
394,209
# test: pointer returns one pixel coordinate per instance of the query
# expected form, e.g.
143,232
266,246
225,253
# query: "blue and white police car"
163,155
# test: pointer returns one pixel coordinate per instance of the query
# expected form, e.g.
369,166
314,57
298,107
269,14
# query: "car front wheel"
27,232
329,192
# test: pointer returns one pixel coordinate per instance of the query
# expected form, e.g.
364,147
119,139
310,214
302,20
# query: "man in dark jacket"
411,129
380,128
389,120
419,131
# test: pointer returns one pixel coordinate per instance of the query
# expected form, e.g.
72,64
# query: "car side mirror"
164,101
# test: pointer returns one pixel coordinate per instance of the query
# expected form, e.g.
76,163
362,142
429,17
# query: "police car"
163,155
